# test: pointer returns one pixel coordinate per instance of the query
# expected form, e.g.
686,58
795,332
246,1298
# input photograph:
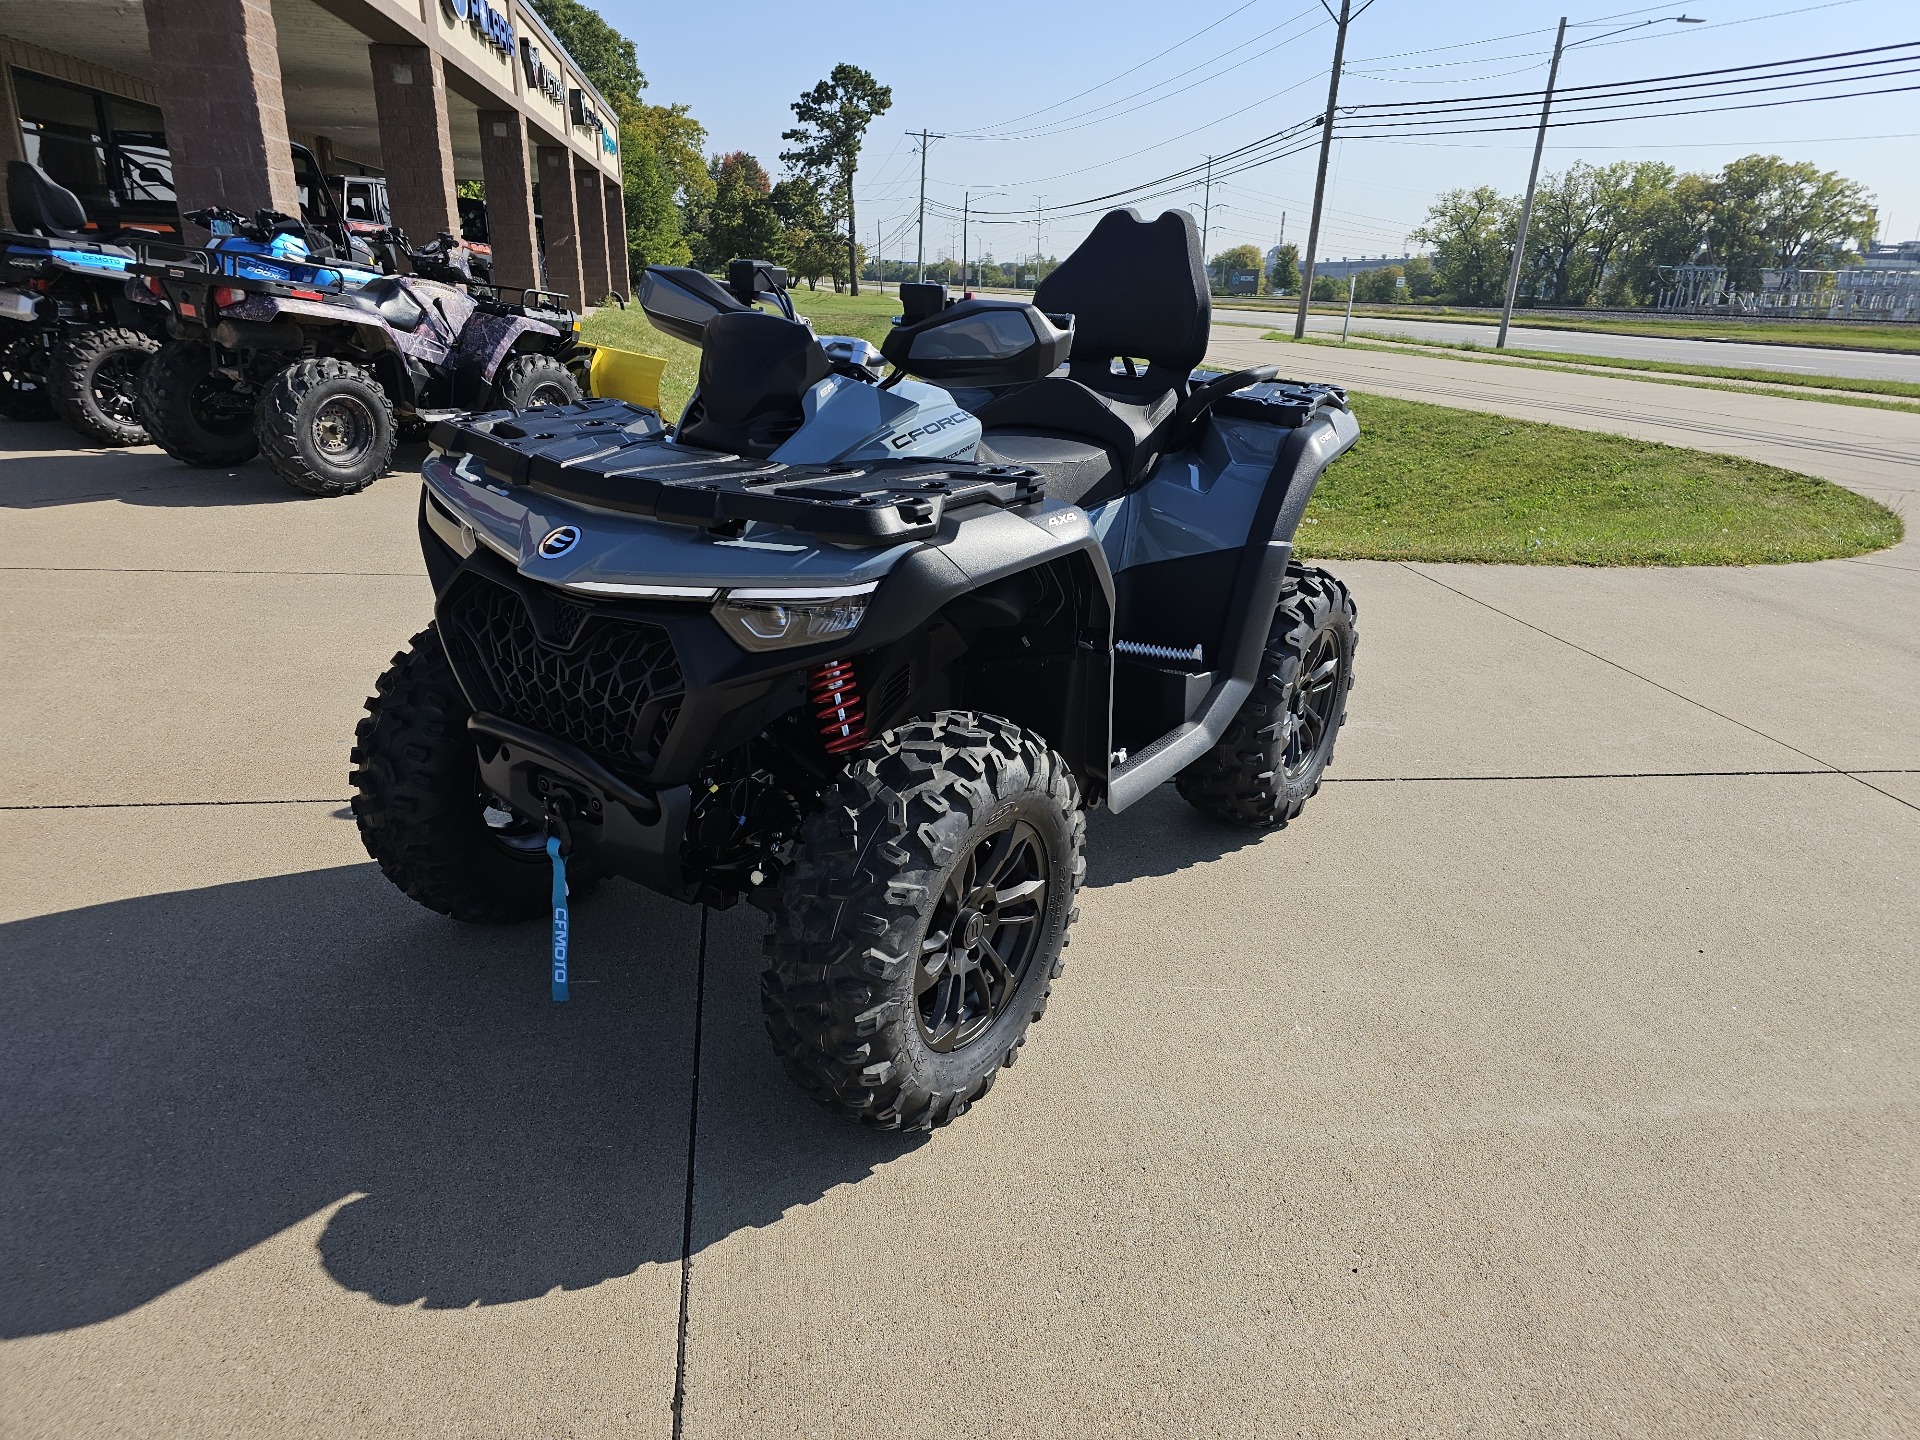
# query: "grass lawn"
1427,482
868,315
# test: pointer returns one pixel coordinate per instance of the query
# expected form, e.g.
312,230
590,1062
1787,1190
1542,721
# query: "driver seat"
1134,288
41,205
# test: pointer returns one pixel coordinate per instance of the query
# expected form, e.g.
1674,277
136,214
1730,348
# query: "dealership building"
428,93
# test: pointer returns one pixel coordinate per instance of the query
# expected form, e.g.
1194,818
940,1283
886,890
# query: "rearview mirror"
980,342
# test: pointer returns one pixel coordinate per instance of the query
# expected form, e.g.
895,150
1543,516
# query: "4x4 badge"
559,542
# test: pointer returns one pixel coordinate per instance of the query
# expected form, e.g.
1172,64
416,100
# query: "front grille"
589,682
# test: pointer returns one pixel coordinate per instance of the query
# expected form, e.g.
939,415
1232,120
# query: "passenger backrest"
755,368
1134,287
40,204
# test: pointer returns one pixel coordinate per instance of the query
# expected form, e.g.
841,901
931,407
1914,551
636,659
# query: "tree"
607,56
1769,215
1471,232
1422,283
1569,211
1241,260
1378,287
809,245
833,119
665,177
739,221
1325,287
1285,273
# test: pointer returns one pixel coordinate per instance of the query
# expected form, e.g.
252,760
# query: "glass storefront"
109,151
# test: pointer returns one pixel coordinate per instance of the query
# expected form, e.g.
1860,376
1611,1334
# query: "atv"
863,645
73,344
320,374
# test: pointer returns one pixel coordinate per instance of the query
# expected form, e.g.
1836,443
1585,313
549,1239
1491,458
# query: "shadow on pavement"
46,464
1162,835
189,1073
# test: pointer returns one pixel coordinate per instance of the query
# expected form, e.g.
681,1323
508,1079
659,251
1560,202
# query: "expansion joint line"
1826,766
686,1216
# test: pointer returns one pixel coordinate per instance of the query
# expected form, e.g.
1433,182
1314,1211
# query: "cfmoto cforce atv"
71,344
863,648
319,373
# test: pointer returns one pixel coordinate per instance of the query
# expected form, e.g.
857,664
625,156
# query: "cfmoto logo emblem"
559,542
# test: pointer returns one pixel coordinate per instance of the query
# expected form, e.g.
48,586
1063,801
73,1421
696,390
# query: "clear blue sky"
1262,65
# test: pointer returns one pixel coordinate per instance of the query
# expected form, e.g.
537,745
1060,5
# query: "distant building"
1343,267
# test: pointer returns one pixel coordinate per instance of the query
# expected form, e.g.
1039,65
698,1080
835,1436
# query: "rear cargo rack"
615,456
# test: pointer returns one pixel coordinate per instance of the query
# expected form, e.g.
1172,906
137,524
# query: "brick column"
216,66
617,256
416,141
560,223
503,164
595,273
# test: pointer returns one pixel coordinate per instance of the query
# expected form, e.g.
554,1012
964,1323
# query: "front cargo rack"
615,456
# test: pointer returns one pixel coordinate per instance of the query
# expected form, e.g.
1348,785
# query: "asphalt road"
1553,1074
1855,364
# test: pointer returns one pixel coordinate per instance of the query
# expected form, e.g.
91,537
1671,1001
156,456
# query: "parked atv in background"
320,377
71,342
863,647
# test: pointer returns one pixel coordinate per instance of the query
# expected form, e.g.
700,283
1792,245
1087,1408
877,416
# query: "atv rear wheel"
529,380
423,814
921,923
95,383
23,379
191,413
1269,762
326,427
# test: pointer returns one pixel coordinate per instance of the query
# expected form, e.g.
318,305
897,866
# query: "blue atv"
863,637
71,342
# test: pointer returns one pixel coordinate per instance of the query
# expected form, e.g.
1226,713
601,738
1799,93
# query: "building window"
109,151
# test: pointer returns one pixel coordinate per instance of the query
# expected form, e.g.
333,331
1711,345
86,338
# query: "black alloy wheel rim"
16,366
1310,706
114,383
344,430
987,926
548,392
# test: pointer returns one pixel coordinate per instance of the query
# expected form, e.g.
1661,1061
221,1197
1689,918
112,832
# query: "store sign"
583,114
489,24
541,76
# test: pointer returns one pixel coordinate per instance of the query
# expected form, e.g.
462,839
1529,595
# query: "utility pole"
879,265
1320,181
966,204
1206,213
1036,240
926,138
1533,179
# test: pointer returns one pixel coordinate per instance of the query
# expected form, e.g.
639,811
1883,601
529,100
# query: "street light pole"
1539,144
1320,181
1533,179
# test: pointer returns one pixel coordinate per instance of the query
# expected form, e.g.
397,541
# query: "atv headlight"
782,619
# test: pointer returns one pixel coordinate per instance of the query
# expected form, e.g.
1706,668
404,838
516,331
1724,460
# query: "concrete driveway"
1555,1073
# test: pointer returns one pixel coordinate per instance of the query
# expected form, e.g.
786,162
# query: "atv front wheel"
95,383
23,380
326,427
1269,762
422,812
529,380
191,413
921,923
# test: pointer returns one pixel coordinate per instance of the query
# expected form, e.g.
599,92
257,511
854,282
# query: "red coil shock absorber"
842,715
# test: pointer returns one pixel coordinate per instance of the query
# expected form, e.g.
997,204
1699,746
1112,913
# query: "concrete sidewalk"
1555,1072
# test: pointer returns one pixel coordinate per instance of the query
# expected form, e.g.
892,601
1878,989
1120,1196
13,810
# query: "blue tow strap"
559,917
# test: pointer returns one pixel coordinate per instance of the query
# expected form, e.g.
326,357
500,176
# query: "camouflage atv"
322,378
